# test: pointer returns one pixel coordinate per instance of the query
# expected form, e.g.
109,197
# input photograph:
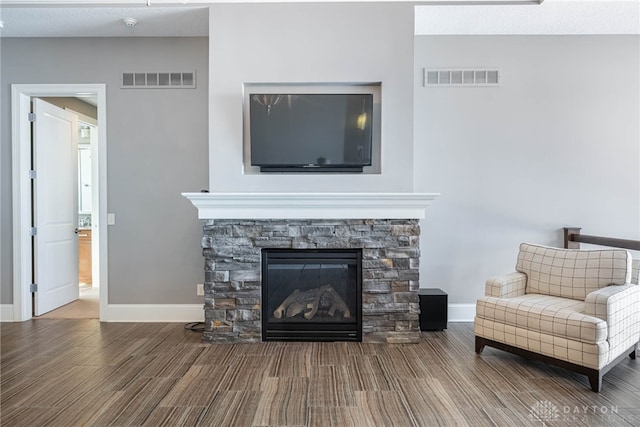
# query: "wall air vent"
461,77
168,80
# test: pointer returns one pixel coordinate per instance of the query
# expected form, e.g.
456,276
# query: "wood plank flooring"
85,373
85,307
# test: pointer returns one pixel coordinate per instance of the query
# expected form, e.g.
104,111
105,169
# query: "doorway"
22,192
83,299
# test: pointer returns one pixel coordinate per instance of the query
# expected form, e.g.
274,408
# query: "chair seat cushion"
560,317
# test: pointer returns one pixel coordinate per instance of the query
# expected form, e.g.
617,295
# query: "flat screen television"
310,132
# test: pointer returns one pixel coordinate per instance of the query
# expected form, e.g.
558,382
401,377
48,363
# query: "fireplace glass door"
312,295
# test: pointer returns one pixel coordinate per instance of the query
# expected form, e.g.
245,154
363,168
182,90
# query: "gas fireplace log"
314,305
279,312
324,298
338,304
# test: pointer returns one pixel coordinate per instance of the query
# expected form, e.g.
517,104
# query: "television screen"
310,132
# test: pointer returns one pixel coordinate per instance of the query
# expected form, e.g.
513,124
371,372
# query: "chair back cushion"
572,273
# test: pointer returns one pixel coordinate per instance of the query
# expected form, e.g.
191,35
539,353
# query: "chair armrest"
606,302
619,306
506,285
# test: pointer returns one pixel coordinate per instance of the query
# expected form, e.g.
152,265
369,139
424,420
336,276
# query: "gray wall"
310,43
157,148
558,143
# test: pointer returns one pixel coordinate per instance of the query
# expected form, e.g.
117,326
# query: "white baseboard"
195,313
6,312
461,312
153,313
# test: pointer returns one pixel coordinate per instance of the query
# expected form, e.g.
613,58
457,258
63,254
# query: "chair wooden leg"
595,380
632,355
479,345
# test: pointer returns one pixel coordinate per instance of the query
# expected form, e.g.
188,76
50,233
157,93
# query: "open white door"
55,205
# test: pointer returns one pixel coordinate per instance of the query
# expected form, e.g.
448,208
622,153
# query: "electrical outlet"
200,289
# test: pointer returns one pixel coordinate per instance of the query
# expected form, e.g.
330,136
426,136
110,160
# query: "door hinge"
32,174
33,231
33,287
32,117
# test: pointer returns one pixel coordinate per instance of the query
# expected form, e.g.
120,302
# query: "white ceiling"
551,17
181,18
104,21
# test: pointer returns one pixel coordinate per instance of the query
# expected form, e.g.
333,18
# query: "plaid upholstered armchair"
572,308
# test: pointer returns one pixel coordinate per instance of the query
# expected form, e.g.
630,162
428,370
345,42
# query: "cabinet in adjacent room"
84,255
84,179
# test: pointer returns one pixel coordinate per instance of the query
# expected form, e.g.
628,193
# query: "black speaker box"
433,309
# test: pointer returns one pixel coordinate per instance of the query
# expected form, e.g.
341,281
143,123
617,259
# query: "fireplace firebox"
312,294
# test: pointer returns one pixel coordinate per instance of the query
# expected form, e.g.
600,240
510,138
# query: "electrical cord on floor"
195,326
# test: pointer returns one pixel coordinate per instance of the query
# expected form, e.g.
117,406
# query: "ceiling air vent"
461,77
169,80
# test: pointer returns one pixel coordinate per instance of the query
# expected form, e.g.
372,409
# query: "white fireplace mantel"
311,205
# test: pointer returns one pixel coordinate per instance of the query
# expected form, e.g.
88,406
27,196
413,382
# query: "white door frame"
21,95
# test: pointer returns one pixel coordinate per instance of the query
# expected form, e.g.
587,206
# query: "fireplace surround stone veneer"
237,226
390,272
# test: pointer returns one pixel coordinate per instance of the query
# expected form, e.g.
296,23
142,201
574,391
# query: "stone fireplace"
240,228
